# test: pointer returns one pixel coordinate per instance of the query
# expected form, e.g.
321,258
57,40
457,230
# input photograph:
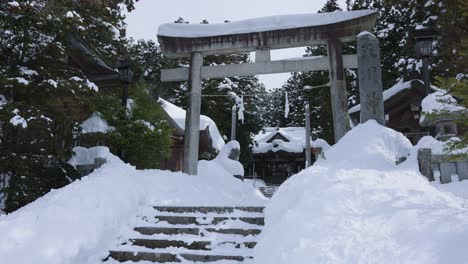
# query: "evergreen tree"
41,91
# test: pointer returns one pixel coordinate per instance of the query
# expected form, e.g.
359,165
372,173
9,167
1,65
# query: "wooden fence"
443,168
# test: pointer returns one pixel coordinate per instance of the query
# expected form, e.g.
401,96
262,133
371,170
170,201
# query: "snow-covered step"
192,234
204,220
195,231
269,190
123,256
208,209
193,245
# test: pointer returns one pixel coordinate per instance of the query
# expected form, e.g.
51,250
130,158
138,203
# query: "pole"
427,82
124,95
233,123
192,118
307,135
339,98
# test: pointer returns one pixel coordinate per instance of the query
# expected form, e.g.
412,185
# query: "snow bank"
234,167
367,146
372,212
77,224
258,24
86,156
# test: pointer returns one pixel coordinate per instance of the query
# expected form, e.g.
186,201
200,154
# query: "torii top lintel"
275,32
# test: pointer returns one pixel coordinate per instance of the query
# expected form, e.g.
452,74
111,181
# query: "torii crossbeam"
261,35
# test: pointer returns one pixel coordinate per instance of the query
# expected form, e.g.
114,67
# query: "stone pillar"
370,78
233,123
339,98
192,118
307,136
425,163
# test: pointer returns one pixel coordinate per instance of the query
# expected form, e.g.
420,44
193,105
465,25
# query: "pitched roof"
176,116
272,139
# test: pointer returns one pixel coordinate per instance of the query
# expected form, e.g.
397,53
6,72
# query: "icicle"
286,105
241,108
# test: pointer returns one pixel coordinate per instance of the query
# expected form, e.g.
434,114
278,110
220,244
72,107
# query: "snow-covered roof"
178,115
295,135
392,91
258,24
95,124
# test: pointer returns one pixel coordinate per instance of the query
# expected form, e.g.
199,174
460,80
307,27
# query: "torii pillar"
339,98
192,116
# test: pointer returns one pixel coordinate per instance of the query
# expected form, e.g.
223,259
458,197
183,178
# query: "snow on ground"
80,222
259,24
357,206
178,115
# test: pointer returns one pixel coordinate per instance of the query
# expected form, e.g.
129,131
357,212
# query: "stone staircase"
269,190
192,234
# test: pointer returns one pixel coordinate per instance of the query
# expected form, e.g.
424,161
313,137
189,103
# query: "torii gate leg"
339,98
192,118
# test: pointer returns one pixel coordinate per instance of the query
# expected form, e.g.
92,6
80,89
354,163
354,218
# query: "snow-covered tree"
41,90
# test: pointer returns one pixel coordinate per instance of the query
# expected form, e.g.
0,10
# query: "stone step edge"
214,220
195,231
124,256
192,245
209,209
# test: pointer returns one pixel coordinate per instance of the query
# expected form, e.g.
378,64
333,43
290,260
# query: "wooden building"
403,111
402,106
278,153
210,142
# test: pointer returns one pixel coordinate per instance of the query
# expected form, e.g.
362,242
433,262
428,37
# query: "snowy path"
191,234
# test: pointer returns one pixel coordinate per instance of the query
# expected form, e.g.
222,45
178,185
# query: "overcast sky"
143,22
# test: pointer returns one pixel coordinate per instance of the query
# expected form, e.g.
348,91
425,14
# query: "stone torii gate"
264,34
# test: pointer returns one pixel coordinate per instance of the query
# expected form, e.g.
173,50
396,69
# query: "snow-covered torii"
260,35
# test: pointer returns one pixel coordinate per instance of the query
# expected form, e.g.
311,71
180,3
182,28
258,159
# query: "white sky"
143,22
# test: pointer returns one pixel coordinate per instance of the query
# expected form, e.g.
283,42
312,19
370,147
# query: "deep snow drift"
357,206
80,222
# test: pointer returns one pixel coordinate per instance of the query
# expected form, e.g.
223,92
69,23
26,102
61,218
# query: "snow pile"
95,124
439,102
86,156
289,139
234,167
77,224
373,212
178,115
437,147
381,150
259,24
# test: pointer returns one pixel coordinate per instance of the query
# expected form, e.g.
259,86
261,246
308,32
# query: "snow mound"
334,212
367,146
234,167
78,223
86,156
